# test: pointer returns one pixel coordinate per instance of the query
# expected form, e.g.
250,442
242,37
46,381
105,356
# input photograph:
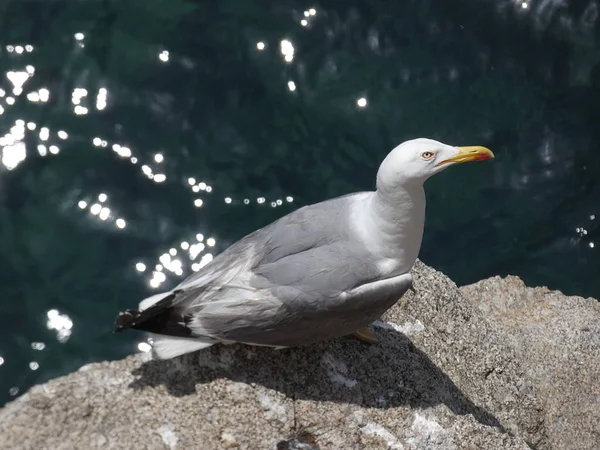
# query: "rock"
445,374
557,340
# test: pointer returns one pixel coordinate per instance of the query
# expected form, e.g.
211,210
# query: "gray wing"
315,295
310,227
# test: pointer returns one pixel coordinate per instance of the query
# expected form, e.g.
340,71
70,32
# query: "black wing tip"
126,320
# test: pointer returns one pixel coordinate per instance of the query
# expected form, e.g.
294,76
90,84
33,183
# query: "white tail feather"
167,347
148,302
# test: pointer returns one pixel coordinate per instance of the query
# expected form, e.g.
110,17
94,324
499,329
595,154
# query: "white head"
416,160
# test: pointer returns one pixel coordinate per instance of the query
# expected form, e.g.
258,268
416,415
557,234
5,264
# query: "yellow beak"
466,154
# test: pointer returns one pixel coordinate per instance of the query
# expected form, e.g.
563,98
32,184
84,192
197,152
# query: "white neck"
395,226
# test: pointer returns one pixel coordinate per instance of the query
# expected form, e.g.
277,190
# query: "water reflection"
38,346
439,75
61,323
287,50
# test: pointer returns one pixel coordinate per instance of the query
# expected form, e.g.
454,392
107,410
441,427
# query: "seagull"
323,271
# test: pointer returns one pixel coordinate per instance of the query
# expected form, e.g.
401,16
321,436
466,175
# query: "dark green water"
137,128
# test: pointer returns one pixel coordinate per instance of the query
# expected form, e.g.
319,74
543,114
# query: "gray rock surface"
557,340
445,374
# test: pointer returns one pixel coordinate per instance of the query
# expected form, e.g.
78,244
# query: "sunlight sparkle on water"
361,102
61,323
141,267
165,259
196,249
44,134
121,223
157,279
96,208
104,213
76,97
260,45
101,99
122,151
17,79
44,94
287,50
13,149
39,346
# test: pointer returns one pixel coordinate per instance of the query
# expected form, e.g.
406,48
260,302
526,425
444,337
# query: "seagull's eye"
427,155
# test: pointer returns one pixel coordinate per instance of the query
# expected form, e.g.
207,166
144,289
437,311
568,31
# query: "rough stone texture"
444,375
557,340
